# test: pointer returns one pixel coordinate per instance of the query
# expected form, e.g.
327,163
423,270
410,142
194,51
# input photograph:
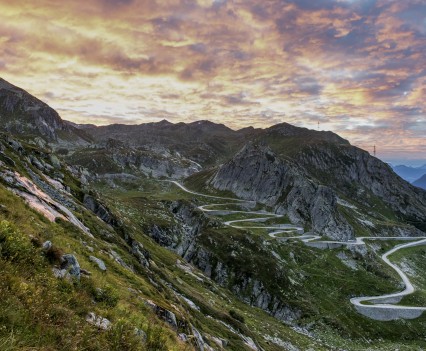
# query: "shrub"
108,295
234,314
156,339
54,254
14,246
122,336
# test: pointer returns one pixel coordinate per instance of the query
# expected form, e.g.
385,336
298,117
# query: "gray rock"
140,253
101,264
60,273
36,162
222,343
98,321
46,245
71,266
352,166
183,337
16,145
119,260
166,315
198,338
190,222
98,209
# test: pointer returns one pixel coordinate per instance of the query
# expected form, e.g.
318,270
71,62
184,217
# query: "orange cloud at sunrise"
355,66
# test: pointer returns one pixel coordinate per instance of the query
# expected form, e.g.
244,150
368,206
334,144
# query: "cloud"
355,66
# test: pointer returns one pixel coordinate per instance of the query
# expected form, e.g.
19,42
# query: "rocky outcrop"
136,248
92,204
166,315
257,173
41,201
69,268
153,163
115,157
183,237
358,175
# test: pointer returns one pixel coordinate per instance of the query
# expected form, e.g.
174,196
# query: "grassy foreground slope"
41,312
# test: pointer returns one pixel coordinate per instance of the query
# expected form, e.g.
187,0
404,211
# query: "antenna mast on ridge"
374,150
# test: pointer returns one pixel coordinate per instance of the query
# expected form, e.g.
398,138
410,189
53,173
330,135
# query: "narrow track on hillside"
382,307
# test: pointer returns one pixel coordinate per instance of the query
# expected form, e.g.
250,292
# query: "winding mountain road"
378,307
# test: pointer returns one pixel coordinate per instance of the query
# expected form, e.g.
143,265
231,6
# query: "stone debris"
183,337
141,334
71,265
282,343
70,268
98,321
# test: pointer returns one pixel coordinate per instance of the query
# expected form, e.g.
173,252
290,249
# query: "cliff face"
359,176
309,185
256,173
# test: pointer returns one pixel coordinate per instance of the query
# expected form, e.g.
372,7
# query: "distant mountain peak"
289,130
165,122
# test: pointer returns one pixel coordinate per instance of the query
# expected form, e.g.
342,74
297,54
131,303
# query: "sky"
356,67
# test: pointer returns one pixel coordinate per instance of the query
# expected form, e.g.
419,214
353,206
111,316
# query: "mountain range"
410,174
421,182
104,196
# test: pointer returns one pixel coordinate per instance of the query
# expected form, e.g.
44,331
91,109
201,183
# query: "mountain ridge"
304,156
22,113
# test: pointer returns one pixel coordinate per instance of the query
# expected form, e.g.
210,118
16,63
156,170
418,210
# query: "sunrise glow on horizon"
356,67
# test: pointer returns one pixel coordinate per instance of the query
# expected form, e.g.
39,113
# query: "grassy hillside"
319,283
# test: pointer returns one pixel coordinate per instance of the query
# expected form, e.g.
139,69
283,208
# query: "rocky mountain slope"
27,116
319,180
89,279
257,173
114,158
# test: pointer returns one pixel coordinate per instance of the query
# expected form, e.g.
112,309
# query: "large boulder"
101,264
70,268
